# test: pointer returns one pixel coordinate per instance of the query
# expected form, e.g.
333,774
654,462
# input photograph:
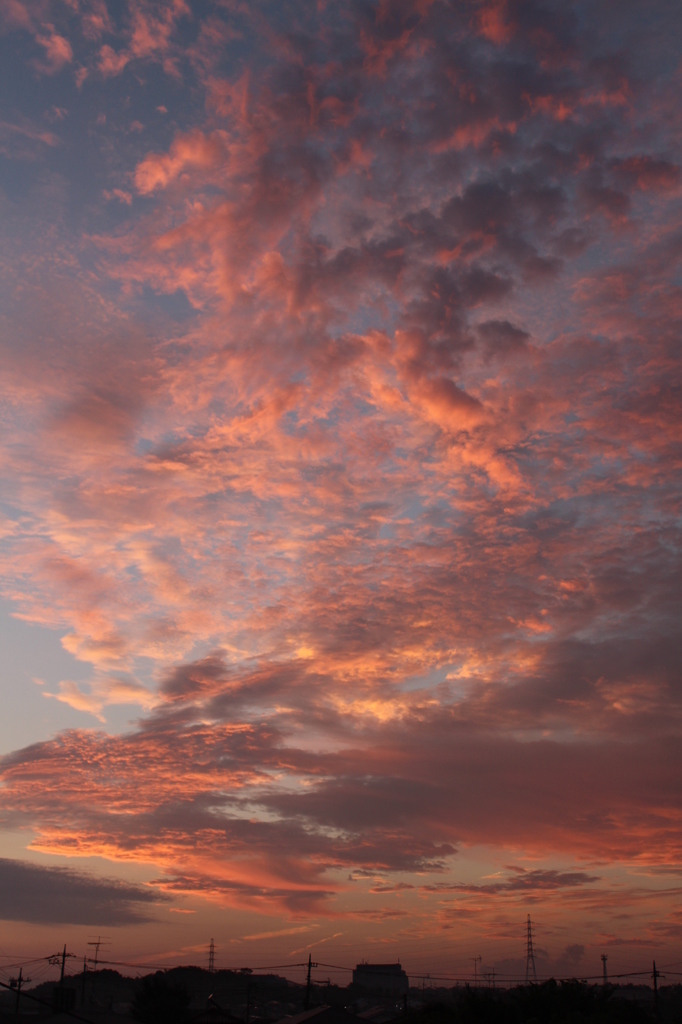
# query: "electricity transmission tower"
211,957
530,956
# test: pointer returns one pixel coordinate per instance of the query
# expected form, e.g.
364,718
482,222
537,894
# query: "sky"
340,481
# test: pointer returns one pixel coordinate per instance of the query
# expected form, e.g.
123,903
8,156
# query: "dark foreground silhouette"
159,1001
549,1003
191,995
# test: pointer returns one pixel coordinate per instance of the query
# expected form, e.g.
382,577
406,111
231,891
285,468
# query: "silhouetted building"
389,979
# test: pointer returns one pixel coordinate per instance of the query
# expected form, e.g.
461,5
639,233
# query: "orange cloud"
344,445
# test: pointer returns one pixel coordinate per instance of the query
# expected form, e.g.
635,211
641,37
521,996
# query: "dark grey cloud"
523,881
295,899
50,895
500,338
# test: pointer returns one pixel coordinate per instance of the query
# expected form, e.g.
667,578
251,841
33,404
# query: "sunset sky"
340,471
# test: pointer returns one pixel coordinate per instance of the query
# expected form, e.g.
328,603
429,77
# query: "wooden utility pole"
308,983
21,980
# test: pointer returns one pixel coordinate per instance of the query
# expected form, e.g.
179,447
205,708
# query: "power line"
17,983
44,1002
170,967
499,977
42,963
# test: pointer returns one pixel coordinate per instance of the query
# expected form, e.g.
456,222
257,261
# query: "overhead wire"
500,977
40,966
166,967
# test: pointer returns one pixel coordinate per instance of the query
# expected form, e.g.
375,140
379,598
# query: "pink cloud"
187,152
57,49
493,22
372,393
111,62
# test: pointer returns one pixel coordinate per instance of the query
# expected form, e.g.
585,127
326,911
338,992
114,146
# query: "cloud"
574,953
57,49
501,338
47,895
190,151
48,138
524,881
348,450
111,62
103,692
148,35
400,800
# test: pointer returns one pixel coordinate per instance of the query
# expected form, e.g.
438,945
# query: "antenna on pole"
477,961
97,943
604,958
490,977
530,955
211,957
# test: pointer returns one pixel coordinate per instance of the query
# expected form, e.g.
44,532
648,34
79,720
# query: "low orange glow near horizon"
340,482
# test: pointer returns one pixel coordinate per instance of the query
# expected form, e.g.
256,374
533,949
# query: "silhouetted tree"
158,1002
549,1003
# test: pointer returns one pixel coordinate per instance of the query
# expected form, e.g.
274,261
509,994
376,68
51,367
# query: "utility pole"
656,975
18,982
85,971
59,960
307,987
211,957
604,958
530,955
